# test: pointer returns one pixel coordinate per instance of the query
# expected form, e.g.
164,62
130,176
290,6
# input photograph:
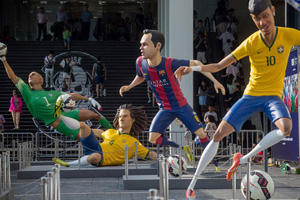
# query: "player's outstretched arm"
10,73
91,100
136,81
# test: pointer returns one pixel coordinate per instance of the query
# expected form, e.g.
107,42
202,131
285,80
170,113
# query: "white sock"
268,140
70,122
83,161
208,154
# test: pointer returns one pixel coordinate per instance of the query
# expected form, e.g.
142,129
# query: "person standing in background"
86,17
2,121
49,62
61,20
99,75
15,109
42,23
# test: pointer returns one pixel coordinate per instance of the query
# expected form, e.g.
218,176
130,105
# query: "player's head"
51,53
152,43
129,115
34,79
262,13
15,93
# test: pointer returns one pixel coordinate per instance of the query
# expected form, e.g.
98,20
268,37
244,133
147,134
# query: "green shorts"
64,129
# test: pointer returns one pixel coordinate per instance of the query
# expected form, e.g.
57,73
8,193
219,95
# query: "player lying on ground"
41,103
129,121
268,50
159,73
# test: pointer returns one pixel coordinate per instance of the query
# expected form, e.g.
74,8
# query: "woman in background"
16,109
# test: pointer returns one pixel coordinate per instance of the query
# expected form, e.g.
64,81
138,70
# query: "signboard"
294,3
288,148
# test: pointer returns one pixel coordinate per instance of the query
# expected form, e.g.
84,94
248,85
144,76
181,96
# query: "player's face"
35,78
264,21
147,48
125,120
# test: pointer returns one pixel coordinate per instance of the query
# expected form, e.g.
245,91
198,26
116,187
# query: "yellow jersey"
113,146
268,63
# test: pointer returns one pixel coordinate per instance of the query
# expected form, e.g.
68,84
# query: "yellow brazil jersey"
268,63
113,146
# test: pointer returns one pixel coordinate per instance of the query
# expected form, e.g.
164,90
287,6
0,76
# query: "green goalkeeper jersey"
40,103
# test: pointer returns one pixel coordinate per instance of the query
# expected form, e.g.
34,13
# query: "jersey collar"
273,40
122,133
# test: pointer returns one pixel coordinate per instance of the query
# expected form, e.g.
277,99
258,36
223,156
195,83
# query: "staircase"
119,58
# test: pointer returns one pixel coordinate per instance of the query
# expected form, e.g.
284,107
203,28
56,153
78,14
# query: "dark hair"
99,58
15,91
211,118
68,56
138,113
200,21
42,8
239,87
51,52
257,6
156,37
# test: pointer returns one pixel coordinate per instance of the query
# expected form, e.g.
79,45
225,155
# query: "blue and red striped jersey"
162,81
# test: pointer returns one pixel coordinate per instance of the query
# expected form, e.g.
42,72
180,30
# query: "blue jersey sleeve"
176,63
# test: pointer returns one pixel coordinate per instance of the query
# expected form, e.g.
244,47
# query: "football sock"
164,141
204,142
268,140
83,161
105,123
70,122
207,155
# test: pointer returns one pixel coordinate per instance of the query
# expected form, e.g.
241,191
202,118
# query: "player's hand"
2,58
95,103
181,71
218,86
58,106
123,89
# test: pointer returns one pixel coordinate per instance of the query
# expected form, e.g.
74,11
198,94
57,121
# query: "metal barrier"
50,184
5,178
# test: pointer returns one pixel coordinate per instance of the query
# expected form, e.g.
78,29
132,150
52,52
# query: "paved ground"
286,187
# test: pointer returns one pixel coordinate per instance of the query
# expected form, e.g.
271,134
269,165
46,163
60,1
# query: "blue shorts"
164,118
99,79
273,106
91,145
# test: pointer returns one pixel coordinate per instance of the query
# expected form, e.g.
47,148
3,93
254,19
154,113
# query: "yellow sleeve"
241,51
142,151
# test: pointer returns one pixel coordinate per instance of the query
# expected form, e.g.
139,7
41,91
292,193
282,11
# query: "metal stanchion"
166,179
13,150
230,153
8,170
4,170
79,152
248,179
161,178
136,154
30,153
58,180
0,174
23,156
240,169
152,194
50,176
194,155
126,161
44,185
56,148
19,155
180,161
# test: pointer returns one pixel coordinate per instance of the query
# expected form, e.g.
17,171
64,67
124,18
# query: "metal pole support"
126,162
44,184
79,152
166,179
136,154
248,179
161,178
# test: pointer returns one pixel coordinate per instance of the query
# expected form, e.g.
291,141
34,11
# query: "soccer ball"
174,165
3,49
68,102
261,185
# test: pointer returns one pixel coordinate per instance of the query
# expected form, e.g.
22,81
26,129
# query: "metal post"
4,170
50,176
13,150
136,154
79,152
126,161
240,169
58,180
266,150
194,154
8,170
166,181
19,155
248,179
230,153
161,178
234,177
152,194
44,185
56,148
180,161
0,174
158,154
23,156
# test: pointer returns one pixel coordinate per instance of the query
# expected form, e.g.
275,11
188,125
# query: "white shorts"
66,75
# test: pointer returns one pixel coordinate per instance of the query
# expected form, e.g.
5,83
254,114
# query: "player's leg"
97,90
279,115
18,119
51,78
160,122
13,114
88,114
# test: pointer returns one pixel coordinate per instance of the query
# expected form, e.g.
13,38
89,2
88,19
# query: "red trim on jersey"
202,140
174,84
140,64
